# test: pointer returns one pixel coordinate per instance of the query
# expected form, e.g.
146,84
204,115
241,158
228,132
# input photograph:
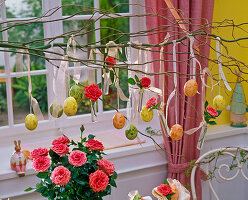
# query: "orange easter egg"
119,121
190,88
176,132
26,153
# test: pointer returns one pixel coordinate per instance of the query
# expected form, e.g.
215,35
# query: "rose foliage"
78,174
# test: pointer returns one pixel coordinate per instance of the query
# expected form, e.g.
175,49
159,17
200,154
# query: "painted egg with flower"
190,88
70,106
31,122
76,92
131,132
119,121
176,132
146,114
56,109
219,102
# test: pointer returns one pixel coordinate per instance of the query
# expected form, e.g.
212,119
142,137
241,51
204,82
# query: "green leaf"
42,175
91,136
114,176
212,122
136,78
131,81
100,85
166,182
28,189
80,182
112,182
206,104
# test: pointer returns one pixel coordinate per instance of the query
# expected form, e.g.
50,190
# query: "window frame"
50,30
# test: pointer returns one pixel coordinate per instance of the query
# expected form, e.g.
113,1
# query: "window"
14,105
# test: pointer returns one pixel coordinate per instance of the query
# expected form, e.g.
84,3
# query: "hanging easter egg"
219,103
131,132
56,109
119,121
146,114
176,132
190,88
70,106
31,122
76,92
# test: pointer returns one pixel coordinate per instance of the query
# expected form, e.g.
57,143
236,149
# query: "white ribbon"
132,194
175,88
219,53
194,60
33,102
73,53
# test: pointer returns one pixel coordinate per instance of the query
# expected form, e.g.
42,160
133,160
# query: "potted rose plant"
79,174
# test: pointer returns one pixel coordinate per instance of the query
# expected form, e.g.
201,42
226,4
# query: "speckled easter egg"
176,132
146,114
76,92
119,120
31,122
70,106
137,197
190,88
56,109
131,132
219,102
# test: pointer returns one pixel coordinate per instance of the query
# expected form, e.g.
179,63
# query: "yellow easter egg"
176,132
190,88
31,122
146,114
119,121
219,102
70,106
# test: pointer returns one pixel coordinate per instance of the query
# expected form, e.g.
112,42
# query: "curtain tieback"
178,168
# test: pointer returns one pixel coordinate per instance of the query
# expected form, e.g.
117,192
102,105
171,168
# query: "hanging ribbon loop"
219,53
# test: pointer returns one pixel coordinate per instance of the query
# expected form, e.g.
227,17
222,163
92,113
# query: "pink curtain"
180,153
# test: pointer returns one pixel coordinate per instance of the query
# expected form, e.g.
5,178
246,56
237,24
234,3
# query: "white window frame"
50,30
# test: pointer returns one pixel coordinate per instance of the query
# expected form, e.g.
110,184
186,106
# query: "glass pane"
3,103
112,97
82,29
119,6
23,8
21,96
79,7
1,57
121,25
28,33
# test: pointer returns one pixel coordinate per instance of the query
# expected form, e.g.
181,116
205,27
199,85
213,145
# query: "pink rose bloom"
212,111
106,166
98,181
61,140
164,189
94,145
77,158
61,175
41,163
60,149
151,102
38,152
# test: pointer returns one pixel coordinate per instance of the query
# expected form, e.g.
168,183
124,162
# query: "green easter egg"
76,92
56,109
131,132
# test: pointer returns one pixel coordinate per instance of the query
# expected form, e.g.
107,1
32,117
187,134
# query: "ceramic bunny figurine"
18,161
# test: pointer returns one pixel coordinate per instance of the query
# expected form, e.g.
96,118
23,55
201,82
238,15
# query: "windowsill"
113,153
215,132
